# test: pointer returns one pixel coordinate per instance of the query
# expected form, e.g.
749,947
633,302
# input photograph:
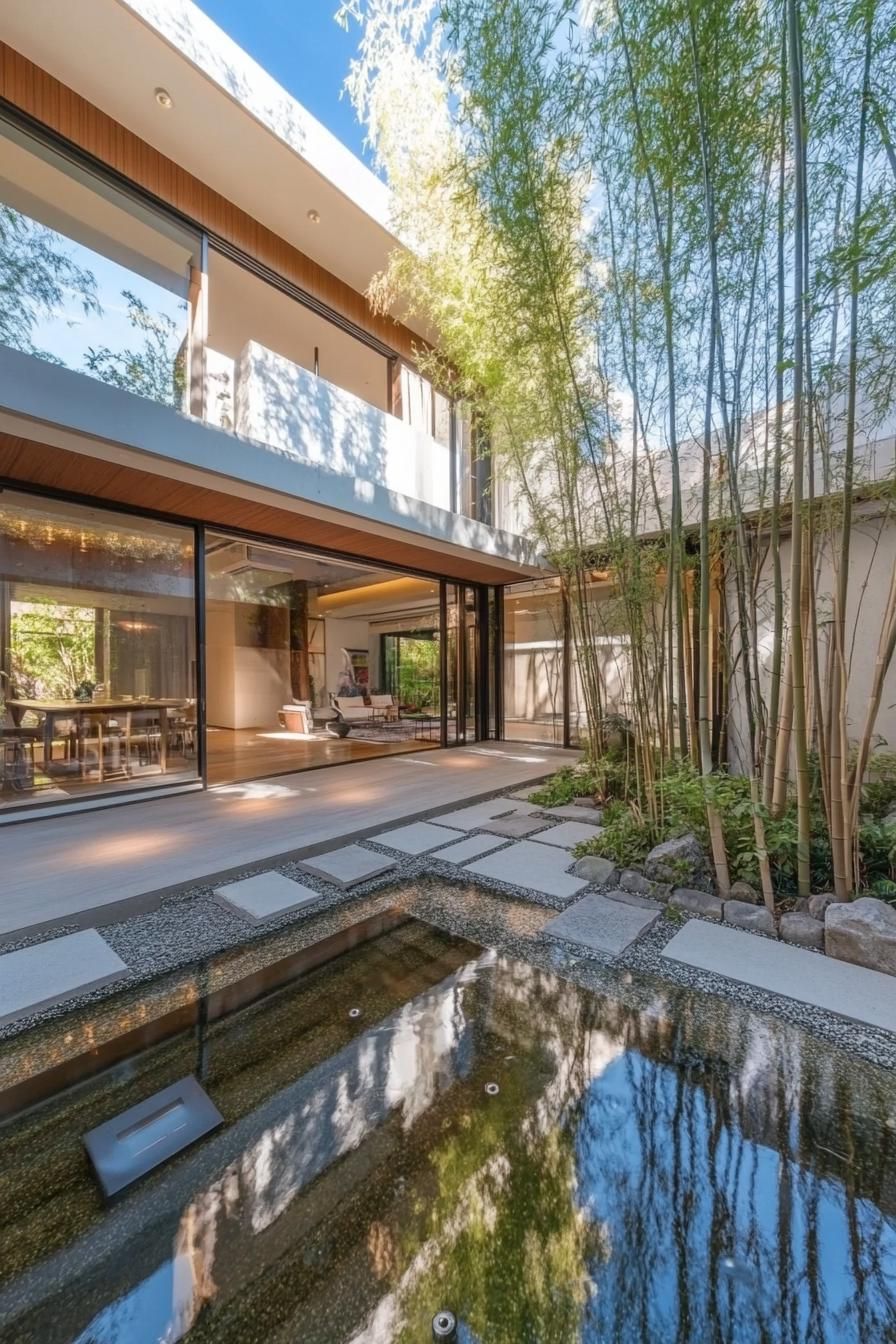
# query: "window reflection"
97,651
92,281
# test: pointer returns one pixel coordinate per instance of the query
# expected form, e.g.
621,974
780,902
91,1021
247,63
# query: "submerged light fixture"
134,1143
444,1327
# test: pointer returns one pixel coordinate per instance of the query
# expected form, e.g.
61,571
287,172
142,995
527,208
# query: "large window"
90,279
313,661
97,652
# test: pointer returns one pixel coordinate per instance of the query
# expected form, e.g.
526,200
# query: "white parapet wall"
305,417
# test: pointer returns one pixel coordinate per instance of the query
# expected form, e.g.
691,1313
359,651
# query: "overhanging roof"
232,125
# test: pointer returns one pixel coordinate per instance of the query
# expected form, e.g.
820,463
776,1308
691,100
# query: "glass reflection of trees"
719,1179
47,282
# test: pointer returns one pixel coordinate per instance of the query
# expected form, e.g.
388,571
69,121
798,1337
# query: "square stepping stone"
533,867
36,977
467,849
473,818
348,865
793,972
567,834
570,812
514,827
265,895
601,925
417,838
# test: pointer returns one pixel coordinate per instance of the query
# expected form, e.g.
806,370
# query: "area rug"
393,732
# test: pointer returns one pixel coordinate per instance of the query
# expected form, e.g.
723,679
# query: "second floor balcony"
101,283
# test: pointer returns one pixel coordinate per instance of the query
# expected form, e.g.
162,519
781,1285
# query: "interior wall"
345,633
243,308
248,675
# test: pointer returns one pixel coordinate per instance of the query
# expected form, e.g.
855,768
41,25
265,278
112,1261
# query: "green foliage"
37,277
569,782
625,837
53,649
879,789
155,369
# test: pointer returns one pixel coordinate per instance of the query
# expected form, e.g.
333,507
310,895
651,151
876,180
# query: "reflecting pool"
416,1123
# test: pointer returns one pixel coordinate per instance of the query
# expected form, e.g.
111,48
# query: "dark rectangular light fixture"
144,1136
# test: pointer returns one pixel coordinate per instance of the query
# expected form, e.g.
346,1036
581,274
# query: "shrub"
569,782
626,837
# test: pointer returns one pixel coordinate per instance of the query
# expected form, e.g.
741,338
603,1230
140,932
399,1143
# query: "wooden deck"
91,867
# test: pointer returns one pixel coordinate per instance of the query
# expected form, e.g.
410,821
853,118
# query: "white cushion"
381,701
352,707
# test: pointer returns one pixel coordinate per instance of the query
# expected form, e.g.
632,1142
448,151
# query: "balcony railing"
305,417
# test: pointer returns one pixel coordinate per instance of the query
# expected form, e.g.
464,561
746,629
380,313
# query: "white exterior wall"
301,414
873,554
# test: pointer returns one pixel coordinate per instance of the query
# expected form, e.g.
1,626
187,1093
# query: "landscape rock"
802,930
801,906
696,902
863,932
631,880
818,904
680,860
632,898
742,891
745,915
594,868
584,802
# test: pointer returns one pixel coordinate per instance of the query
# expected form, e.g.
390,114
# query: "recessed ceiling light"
164,99
314,216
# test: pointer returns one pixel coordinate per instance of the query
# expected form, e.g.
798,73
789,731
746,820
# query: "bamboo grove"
657,242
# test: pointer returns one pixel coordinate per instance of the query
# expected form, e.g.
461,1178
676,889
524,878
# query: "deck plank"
55,867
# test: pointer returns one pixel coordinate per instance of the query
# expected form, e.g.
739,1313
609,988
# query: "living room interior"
313,661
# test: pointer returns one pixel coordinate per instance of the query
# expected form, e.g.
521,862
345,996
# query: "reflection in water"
679,1171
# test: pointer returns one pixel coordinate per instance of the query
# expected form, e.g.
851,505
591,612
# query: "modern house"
240,534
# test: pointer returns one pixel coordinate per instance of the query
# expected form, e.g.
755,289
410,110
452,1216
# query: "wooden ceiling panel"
24,462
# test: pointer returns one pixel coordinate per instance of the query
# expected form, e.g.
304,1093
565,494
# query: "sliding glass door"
465,691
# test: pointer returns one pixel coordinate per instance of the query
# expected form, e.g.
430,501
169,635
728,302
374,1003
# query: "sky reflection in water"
678,1172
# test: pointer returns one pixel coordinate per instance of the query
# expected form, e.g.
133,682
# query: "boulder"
631,880
802,930
681,860
696,902
745,915
818,904
742,891
863,932
584,802
595,869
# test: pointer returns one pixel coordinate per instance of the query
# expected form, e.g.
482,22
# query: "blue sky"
299,43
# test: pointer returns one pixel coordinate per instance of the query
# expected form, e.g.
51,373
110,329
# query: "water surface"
653,1168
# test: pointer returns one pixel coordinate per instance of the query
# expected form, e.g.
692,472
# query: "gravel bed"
192,924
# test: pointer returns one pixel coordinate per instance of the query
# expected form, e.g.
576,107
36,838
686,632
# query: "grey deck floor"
80,867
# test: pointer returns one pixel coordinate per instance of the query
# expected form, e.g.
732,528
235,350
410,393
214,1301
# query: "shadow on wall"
307,419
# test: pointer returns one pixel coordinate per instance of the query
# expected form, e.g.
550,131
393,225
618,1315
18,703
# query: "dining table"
52,711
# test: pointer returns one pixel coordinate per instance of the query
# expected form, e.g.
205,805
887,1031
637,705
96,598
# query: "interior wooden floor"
252,753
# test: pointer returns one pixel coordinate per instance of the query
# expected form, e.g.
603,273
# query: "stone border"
188,925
